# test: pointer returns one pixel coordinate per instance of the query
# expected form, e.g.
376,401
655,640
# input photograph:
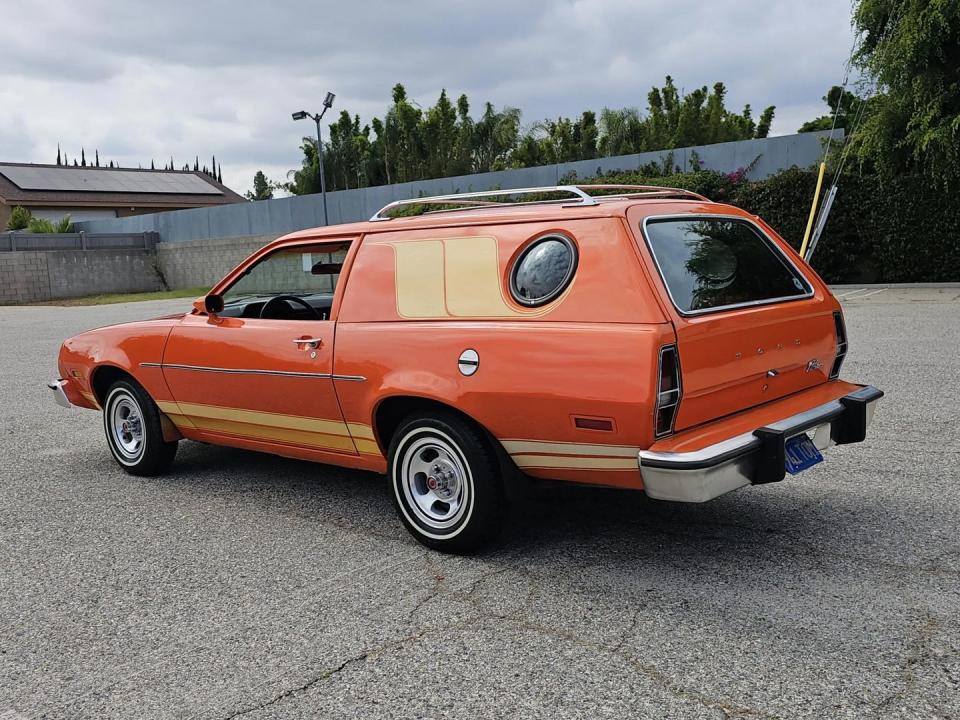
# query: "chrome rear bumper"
58,394
756,457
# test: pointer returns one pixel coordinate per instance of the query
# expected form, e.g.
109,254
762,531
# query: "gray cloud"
142,80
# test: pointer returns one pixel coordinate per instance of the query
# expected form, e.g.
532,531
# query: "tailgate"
751,325
739,360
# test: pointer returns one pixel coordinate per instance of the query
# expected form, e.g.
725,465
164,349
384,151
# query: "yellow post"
813,210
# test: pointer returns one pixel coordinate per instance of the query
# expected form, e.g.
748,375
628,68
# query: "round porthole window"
543,270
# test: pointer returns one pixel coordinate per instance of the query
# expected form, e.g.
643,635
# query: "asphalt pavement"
244,585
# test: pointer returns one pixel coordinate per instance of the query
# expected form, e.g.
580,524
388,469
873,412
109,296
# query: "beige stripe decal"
419,278
261,432
358,430
254,417
575,463
553,448
295,429
368,447
90,397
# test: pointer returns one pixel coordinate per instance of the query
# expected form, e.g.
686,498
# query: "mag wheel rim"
126,427
436,482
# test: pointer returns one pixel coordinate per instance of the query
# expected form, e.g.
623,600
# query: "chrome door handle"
308,343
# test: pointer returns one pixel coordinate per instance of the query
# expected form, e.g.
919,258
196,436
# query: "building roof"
54,185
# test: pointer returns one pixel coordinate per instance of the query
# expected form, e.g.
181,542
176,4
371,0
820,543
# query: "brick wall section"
27,277
23,278
75,273
201,263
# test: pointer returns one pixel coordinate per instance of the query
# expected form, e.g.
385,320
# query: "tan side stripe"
91,398
368,447
172,410
553,448
266,419
360,431
261,432
273,426
575,463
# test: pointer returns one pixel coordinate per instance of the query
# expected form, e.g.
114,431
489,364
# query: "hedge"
906,230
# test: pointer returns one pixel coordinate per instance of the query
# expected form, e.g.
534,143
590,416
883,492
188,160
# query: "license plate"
800,454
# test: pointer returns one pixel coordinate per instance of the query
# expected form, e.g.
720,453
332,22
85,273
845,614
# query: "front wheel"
446,482
134,434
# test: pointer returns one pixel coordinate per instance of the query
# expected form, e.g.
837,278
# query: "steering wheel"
275,302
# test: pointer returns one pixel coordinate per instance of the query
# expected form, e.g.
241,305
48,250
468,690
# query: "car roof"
516,213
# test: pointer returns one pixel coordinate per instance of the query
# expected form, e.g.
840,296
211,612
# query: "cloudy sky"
140,80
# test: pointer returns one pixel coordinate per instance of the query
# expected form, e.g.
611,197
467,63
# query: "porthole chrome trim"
568,278
774,247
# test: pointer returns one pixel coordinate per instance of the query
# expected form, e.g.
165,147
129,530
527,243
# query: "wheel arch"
390,411
103,376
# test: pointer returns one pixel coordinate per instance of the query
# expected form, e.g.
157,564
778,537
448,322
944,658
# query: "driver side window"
292,283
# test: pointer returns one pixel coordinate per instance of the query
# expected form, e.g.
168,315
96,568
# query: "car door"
259,373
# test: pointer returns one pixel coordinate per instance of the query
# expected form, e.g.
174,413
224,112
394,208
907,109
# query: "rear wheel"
131,421
446,483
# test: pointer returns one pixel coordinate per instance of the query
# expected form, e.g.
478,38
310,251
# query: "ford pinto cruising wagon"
625,336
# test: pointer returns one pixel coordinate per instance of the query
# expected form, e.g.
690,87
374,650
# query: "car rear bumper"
755,457
59,396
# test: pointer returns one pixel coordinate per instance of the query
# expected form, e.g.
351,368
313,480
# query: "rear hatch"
751,326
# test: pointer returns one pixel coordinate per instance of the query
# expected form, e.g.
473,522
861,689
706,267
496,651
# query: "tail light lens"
669,390
841,345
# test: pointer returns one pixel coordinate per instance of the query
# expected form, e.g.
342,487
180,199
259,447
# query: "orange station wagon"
624,336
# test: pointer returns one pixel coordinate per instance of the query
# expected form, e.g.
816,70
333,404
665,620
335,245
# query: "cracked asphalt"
243,585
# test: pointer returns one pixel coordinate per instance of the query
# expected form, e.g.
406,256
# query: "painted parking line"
851,293
871,294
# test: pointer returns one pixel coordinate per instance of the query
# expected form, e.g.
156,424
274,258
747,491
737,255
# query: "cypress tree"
83,158
58,153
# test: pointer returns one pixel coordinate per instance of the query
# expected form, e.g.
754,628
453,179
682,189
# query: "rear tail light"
669,390
841,331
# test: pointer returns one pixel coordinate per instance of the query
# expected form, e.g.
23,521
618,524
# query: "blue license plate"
801,453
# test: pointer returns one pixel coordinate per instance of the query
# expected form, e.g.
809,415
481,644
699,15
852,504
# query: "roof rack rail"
580,196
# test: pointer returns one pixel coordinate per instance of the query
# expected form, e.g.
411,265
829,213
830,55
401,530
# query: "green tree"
41,225
495,135
19,218
262,188
841,102
911,50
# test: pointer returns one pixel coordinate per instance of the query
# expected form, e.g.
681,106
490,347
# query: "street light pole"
303,115
323,179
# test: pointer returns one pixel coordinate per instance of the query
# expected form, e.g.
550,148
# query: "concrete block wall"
764,157
75,273
23,278
201,263
27,277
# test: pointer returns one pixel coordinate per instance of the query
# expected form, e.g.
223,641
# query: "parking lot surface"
244,585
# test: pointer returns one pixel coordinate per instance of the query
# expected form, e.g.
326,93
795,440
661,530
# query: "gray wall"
201,263
276,217
53,274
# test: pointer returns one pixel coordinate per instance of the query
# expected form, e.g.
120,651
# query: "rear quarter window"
715,263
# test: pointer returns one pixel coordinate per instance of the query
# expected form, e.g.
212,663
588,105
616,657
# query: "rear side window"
714,263
543,271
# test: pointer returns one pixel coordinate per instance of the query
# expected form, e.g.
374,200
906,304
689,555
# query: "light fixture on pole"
303,115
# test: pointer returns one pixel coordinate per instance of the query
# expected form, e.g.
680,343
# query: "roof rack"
578,196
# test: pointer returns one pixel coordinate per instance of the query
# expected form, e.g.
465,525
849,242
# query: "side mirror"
210,304
213,304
